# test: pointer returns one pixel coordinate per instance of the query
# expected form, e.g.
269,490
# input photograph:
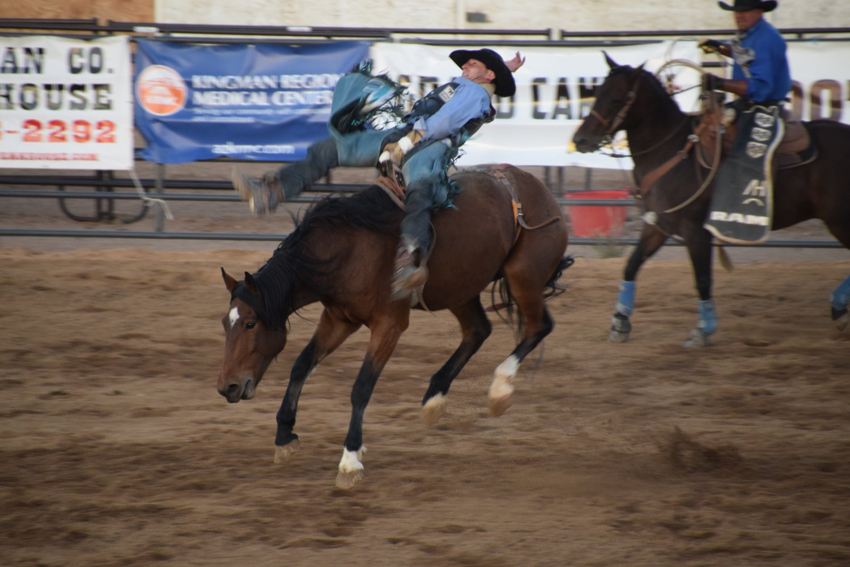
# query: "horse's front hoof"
841,318
698,339
621,328
434,409
498,406
283,454
347,479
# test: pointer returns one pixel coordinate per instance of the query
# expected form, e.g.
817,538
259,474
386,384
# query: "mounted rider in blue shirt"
741,208
761,74
424,146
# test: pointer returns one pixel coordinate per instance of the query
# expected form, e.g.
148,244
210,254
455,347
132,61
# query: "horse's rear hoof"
698,339
621,328
347,479
501,405
501,390
618,337
434,409
841,318
283,454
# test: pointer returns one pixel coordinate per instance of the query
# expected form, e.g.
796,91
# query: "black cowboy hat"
504,81
744,5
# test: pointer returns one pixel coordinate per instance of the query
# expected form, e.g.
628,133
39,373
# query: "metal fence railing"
108,188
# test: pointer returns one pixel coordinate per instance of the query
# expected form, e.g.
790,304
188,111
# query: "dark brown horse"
342,254
633,100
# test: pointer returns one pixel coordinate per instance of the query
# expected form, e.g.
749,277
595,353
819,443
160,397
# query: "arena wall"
119,10
572,15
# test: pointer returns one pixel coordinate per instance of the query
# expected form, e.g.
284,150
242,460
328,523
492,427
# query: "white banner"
821,80
554,93
65,103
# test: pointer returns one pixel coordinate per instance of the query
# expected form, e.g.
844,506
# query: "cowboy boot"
263,196
408,276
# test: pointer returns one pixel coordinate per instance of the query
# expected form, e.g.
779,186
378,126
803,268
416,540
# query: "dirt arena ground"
116,449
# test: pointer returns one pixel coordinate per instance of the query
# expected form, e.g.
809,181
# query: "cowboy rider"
761,74
438,123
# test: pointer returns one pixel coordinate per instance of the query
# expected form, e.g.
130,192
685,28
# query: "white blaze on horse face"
233,316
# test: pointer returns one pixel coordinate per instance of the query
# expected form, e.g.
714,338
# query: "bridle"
611,126
649,180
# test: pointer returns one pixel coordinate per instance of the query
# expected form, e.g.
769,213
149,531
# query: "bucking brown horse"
504,225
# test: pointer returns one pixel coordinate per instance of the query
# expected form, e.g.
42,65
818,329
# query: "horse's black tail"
553,288
505,307
506,303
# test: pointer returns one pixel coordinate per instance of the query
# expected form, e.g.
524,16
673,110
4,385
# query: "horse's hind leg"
330,333
527,277
698,241
502,389
839,299
475,328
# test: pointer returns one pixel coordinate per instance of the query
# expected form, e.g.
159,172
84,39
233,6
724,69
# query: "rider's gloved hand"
388,152
396,151
712,82
709,45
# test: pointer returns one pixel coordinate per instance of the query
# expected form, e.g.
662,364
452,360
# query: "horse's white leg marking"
350,461
350,468
501,389
504,375
233,316
434,409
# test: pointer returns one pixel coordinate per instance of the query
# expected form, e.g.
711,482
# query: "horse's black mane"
370,209
293,263
653,82
649,87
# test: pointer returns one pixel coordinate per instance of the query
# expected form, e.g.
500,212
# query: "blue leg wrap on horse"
840,298
626,298
707,318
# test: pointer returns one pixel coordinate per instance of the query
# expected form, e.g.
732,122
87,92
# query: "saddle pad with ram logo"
742,202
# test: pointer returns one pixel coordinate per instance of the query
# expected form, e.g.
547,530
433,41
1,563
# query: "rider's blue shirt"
760,59
470,101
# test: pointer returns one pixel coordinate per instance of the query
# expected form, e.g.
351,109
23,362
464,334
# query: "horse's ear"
611,62
229,281
252,285
641,66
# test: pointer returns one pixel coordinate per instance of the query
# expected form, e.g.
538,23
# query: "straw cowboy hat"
745,5
504,81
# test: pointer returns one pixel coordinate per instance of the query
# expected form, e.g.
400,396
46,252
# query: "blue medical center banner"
262,102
